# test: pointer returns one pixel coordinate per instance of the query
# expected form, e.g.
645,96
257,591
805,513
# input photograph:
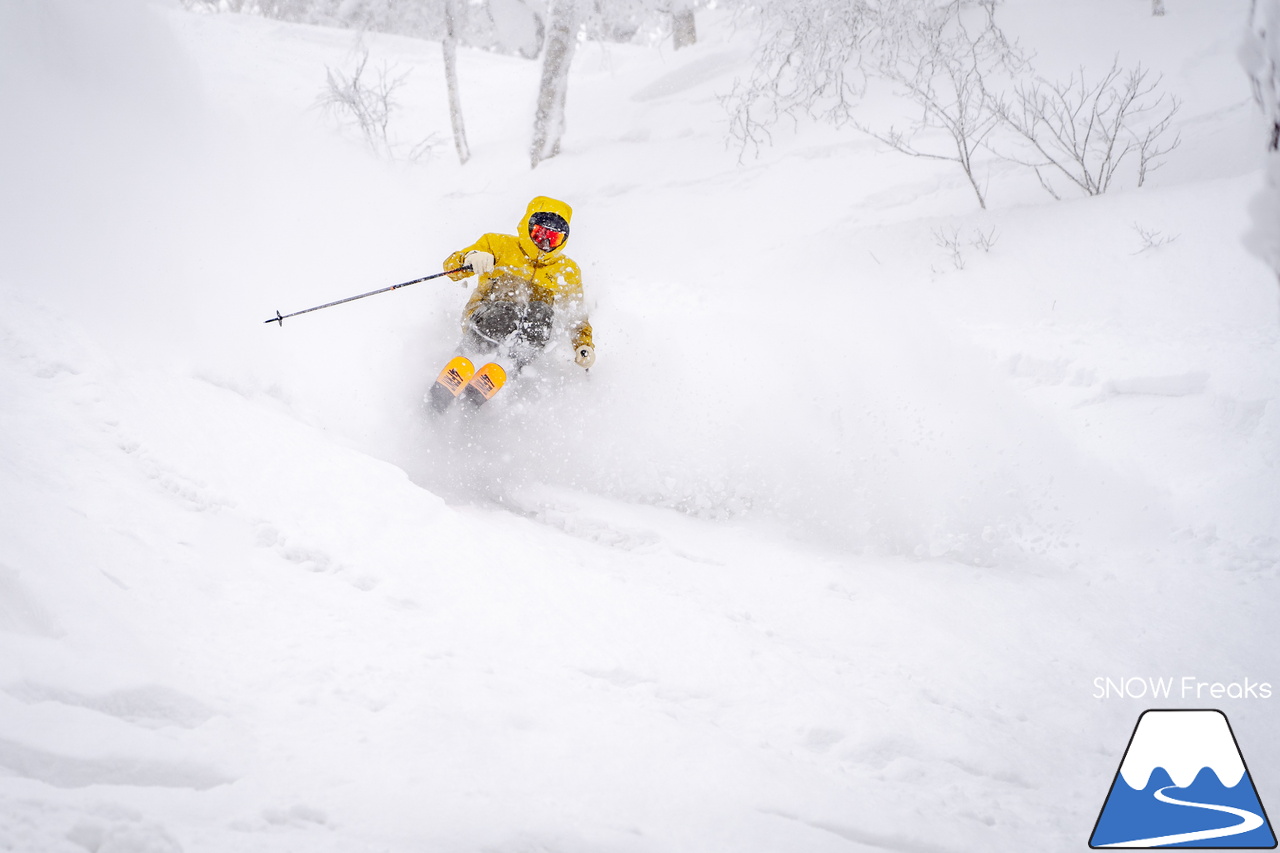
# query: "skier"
527,288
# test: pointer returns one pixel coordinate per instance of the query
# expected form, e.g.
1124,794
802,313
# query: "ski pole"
280,318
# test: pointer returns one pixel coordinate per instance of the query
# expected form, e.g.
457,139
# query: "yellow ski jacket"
524,273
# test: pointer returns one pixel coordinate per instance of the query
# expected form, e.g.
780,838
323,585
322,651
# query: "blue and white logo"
1183,783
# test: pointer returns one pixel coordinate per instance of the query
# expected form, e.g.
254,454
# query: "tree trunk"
449,47
684,30
548,121
1157,7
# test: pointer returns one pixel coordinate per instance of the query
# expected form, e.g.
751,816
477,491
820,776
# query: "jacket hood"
542,204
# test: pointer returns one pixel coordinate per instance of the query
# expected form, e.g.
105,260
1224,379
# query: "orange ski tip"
488,380
456,374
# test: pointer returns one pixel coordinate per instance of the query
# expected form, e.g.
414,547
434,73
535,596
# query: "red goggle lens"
546,238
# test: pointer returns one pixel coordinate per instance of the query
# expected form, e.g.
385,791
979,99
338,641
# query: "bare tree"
449,48
1157,8
1151,238
1083,131
944,64
815,59
808,62
366,100
549,118
955,245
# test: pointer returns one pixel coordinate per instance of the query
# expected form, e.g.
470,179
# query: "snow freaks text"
1184,687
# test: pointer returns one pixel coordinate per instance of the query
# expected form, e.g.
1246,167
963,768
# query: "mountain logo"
1183,783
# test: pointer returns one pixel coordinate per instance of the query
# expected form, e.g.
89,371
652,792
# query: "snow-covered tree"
952,63
684,28
549,29
424,19
1261,57
549,118
815,58
449,49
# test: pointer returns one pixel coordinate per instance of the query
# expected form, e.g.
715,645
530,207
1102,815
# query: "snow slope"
824,554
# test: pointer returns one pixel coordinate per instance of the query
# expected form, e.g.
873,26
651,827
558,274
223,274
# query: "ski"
486,382
449,384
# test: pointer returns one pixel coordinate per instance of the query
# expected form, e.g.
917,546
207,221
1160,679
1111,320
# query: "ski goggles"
548,230
546,238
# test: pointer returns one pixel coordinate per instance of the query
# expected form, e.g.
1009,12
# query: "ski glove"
585,356
480,262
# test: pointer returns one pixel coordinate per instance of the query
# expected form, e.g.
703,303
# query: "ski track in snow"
843,588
